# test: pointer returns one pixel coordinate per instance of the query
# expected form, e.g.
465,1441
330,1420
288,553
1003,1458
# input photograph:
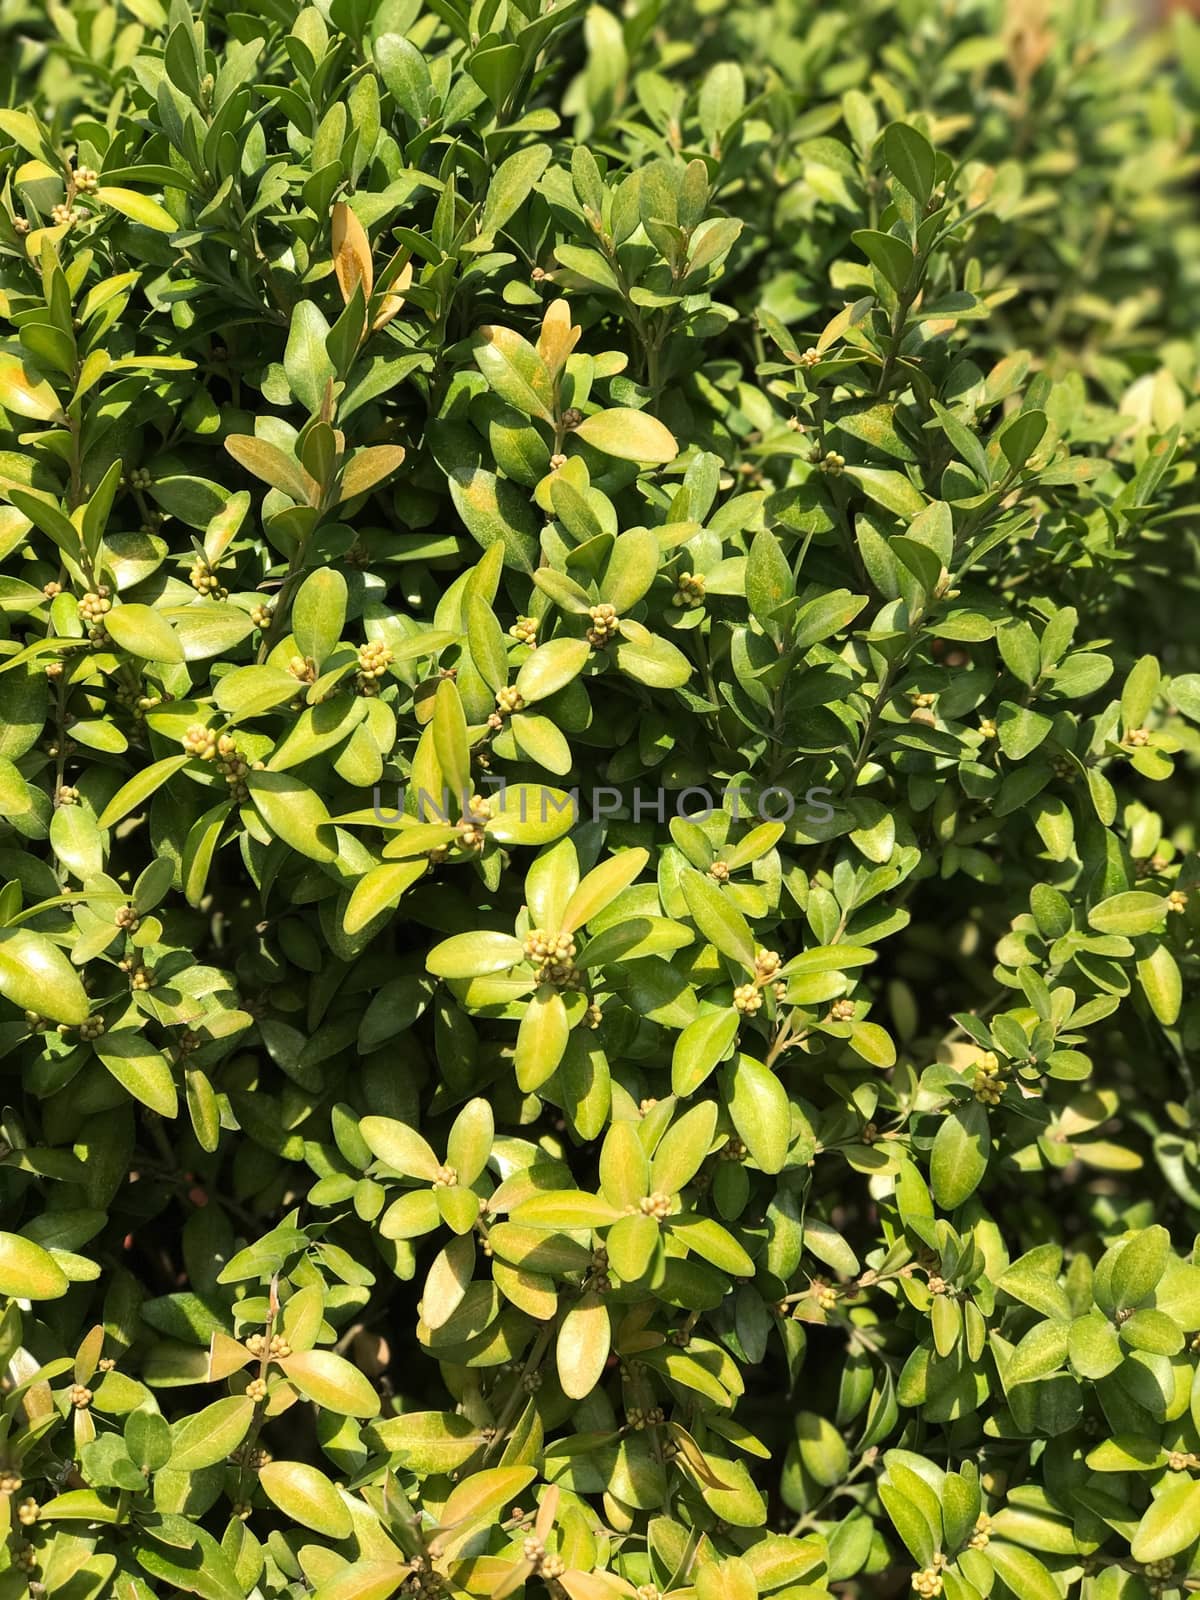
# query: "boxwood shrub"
599,699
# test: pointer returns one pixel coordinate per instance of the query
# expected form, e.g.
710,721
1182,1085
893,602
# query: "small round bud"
689,591
605,625
200,742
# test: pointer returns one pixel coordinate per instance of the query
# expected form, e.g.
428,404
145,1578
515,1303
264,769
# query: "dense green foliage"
598,698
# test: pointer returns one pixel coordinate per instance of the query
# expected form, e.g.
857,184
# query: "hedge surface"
598,696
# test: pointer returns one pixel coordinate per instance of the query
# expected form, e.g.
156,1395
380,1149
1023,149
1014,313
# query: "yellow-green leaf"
293,811
584,1339
25,395
138,208
35,975
332,1383
306,1496
629,435
208,1436
143,632
27,1272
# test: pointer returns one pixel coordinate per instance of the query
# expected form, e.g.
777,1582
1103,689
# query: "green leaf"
274,466
1020,437
1170,1524
822,1449
541,1039
718,919
1093,1347
140,1069
24,130
516,372
632,568
1132,912
139,788
364,1580
406,74
540,741
473,955
714,1243
24,395
138,208
758,1104
486,642
1139,1266
306,1496
629,435
566,1208
209,1436
483,1494
294,812
631,1244
451,743
143,632
495,511
1162,984
1043,1350
1018,646
470,1140
511,185
551,667
890,255
380,889
1127,1453
890,489
584,1340
601,887
428,1442
331,1382
525,813
400,1147
873,1043
769,581
650,659
909,157
319,614
912,1523
1022,1572
305,359
826,615
960,1153
700,1047
682,1150
27,1272
186,1557
36,976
